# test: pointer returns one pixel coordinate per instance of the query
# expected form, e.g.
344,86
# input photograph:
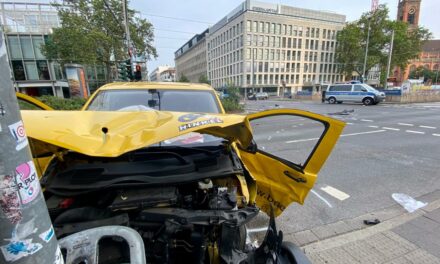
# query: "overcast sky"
197,15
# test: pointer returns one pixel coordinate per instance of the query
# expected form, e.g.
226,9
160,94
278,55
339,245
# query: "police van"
353,92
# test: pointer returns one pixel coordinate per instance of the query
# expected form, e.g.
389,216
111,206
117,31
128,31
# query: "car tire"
332,100
368,101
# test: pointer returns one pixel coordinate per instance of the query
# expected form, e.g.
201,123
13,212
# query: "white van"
358,92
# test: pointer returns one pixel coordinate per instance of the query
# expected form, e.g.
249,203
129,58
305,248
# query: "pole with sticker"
26,233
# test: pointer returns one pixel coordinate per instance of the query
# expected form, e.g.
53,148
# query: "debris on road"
372,222
344,112
409,203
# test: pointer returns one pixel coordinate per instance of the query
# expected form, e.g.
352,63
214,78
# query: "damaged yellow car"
187,182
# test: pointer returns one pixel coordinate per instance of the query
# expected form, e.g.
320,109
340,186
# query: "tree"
90,34
204,79
423,72
352,41
183,78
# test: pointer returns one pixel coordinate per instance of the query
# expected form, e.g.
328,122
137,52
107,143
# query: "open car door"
290,147
27,102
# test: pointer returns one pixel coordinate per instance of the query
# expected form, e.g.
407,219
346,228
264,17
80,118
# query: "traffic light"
129,70
122,71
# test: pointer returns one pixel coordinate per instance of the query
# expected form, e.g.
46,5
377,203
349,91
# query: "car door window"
359,88
289,137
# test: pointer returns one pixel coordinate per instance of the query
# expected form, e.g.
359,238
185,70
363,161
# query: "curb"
349,230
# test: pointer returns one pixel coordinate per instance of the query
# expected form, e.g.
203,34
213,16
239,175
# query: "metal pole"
127,33
366,51
26,233
389,60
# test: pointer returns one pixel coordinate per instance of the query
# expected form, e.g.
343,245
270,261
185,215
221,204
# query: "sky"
194,16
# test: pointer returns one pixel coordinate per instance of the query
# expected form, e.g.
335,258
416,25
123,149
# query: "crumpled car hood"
111,134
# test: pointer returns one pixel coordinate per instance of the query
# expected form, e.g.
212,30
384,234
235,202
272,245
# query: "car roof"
156,85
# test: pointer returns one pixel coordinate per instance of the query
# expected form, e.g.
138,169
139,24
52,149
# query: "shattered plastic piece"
409,203
372,222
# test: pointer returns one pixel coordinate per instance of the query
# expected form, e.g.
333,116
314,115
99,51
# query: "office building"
156,74
191,60
274,48
26,26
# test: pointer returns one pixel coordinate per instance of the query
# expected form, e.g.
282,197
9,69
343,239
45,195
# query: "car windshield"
155,99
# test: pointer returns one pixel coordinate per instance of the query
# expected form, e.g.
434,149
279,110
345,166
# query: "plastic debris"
409,203
372,222
344,112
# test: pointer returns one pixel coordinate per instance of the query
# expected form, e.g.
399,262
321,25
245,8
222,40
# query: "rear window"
155,99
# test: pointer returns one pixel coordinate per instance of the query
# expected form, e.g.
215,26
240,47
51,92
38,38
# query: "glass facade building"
26,26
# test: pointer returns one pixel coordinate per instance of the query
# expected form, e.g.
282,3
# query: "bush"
58,103
231,103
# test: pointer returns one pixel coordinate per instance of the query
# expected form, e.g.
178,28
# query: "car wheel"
368,101
332,100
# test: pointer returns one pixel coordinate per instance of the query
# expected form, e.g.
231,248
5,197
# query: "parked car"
259,96
112,164
359,92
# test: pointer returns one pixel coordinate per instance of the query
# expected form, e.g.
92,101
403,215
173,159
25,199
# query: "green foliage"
204,79
89,34
231,103
183,78
425,73
58,103
352,41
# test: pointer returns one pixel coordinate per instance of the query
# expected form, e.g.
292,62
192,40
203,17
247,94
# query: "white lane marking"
348,123
344,135
436,135
366,120
269,138
405,124
391,128
256,230
340,195
301,140
322,198
374,126
362,133
430,127
353,118
415,132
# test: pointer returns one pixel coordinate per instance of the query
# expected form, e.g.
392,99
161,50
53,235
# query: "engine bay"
193,208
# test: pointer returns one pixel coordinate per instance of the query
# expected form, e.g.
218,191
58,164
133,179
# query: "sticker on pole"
27,182
58,257
19,134
47,235
9,199
15,250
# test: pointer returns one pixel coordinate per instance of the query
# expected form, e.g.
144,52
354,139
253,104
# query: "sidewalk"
403,238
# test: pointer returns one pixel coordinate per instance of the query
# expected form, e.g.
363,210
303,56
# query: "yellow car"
187,182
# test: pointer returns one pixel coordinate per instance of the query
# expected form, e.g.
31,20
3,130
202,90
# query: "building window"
26,46
266,27
278,29
261,27
31,70
272,28
411,18
255,27
14,48
248,26
18,69
43,70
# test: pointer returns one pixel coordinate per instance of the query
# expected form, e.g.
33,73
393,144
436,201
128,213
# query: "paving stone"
305,237
434,215
315,259
420,256
290,238
337,256
363,252
399,260
423,236
389,247
431,206
326,231
400,240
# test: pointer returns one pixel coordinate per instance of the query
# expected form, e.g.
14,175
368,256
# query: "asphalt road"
384,149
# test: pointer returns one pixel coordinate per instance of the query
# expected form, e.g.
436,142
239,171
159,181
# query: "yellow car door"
27,102
290,147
